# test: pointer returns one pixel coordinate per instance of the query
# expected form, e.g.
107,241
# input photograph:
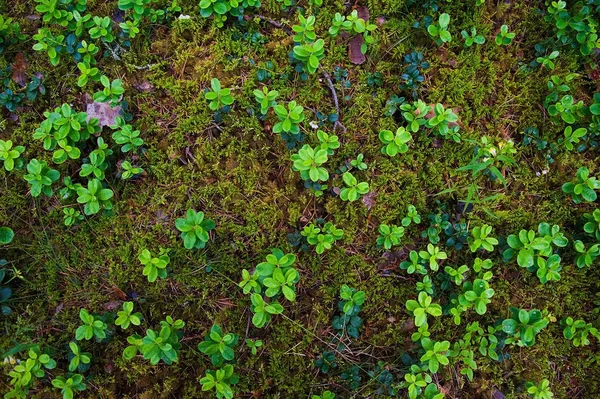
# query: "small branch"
335,102
274,23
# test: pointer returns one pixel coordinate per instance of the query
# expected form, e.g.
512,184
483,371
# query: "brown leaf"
369,199
18,70
103,112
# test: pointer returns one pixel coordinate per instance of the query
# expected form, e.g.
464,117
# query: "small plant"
24,374
263,310
456,275
69,386
326,362
328,142
585,188
477,294
87,73
472,38
102,29
10,155
418,379
440,30
220,380
94,197
389,236
435,354
592,226
218,97
6,236
481,239
351,298
310,54
80,359
282,283
578,331
422,307
586,256
504,37
322,237
40,178
414,264
194,229
523,326
433,254
126,317
91,327
443,123
309,161
325,394
112,92
129,170
289,118
128,138
163,345
218,346
412,216
358,162
353,189
548,61
540,391
573,137
254,344
154,267
567,109
492,159
353,25
395,143
266,98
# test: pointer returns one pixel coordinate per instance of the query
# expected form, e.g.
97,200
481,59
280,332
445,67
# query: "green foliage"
154,267
91,327
504,37
102,29
575,27
573,137
72,216
24,375
540,391
129,170
592,226
567,109
218,97
523,326
325,394
220,381
125,135
443,123
80,359
457,276
40,178
418,379
289,118
481,239
254,344
111,93
218,345
163,345
535,252
126,317
492,160
87,73
351,298
472,38
353,189
389,235
263,310
414,264
326,362
309,161
69,386
10,155
548,61
435,354
422,307
354,26
329,143
586,256
323,237
194,229
310,54
305,31
433,254
266,98
395,143
49,43
94,197
358,162
477,294
585,188
412,216
578,331
6,235
439,30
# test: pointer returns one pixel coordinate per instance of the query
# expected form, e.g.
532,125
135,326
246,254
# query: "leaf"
18,70
6,235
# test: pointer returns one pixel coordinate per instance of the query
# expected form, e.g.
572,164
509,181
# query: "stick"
335,102
274,23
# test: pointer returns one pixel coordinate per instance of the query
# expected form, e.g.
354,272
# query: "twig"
335,102
274,23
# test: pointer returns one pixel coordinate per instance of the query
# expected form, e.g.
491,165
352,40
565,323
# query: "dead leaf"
18,70
103,112
369,199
